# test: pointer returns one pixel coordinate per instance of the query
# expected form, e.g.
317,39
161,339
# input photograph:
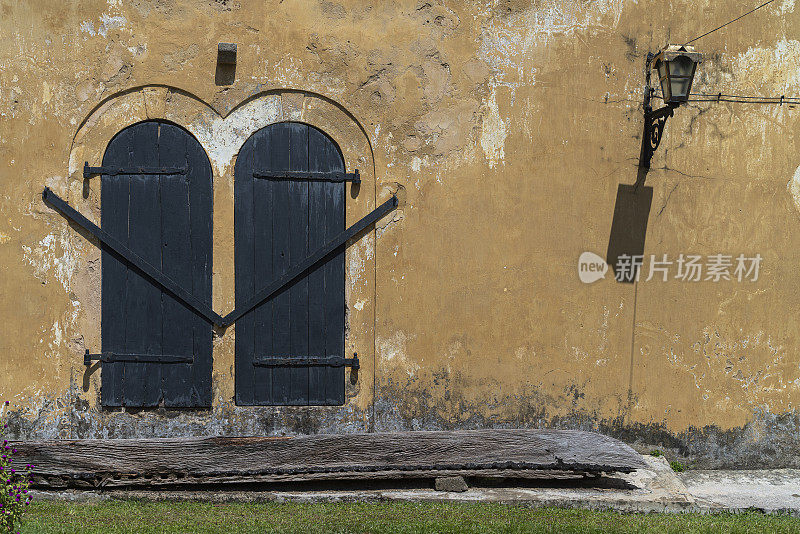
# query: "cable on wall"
740,99
729,22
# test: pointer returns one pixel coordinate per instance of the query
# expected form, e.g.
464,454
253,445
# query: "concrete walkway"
655,489
774,490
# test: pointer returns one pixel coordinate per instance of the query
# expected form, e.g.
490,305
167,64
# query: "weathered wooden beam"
174,461
177,480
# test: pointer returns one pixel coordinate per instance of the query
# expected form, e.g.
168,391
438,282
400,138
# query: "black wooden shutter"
166,219
278,223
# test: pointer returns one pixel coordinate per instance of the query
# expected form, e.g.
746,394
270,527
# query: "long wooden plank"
388,455
143,329
176,263
281,240
316,277
243,267
174,481
333,377
262,222
298,249
201,223
114,195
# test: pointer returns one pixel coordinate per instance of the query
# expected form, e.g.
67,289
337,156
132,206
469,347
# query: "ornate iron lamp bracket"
654,121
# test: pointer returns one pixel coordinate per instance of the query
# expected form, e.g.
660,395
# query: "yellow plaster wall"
505,128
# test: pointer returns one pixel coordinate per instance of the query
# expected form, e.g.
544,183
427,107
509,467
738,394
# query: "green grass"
190,517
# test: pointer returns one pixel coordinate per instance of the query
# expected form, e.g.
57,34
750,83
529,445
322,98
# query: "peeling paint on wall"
106,24
794,188
773,69
56,256
223,137
393,351
493,133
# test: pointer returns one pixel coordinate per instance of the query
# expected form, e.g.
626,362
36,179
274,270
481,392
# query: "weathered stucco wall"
505,128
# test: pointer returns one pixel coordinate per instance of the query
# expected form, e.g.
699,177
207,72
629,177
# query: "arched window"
157,200
283,213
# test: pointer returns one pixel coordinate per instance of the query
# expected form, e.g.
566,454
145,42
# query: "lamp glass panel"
666,90
681,66
663,74
662,69
680,87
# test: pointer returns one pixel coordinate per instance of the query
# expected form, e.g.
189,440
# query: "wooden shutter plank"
142,382
201,220
334,280
317,161
281,342
262,222
114,199
176,263
244,265
298,251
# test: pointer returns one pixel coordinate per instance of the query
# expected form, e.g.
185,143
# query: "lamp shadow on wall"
629,225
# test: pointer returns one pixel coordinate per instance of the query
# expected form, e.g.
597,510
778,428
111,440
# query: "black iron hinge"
113,357
326,361
333,176
88,172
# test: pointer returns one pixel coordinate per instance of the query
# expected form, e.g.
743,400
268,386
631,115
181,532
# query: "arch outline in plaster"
155,101
206,124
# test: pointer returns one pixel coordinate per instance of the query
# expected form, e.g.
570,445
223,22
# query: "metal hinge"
113,357
88,172
333,176
325,361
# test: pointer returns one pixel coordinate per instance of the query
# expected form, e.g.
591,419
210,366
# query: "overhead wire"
740,99
729,22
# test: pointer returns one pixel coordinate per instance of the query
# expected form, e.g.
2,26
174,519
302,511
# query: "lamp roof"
670,52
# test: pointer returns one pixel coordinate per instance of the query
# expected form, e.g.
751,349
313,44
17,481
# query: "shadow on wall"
226,64
225,75
629,226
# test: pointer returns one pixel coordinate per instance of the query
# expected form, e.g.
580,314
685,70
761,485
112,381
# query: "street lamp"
676,66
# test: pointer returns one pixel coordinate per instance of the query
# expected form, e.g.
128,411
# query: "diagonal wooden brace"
190,300
299,269
131,257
